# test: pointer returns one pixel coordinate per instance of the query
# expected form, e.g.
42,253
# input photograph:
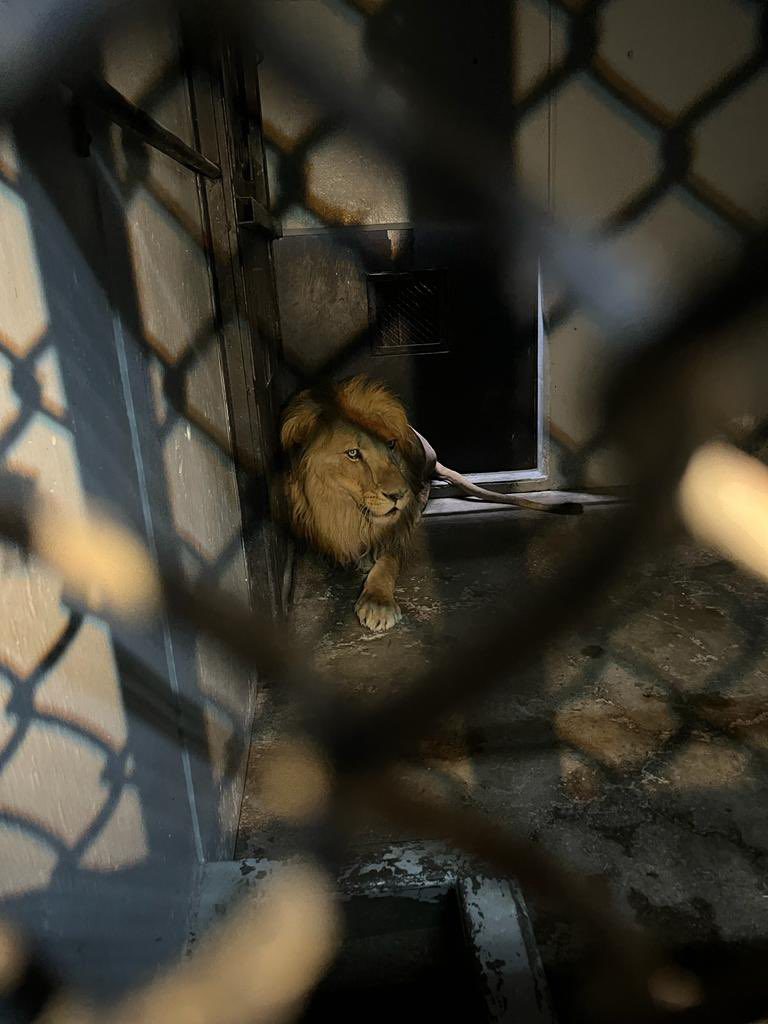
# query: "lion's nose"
394,496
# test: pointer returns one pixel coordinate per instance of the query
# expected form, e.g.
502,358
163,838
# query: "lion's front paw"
377,613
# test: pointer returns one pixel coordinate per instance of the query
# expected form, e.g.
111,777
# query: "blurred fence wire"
656,411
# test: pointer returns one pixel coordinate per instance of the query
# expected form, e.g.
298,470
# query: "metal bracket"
117,108
253,215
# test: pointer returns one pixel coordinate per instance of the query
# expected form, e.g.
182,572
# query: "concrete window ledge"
457,506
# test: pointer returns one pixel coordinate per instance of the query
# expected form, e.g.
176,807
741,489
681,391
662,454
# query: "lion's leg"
376,607
365,564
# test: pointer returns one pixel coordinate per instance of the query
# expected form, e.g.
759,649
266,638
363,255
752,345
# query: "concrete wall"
599,158
157,203
105,292
580,153
347,180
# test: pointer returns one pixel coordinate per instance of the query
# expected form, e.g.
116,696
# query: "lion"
356,484
358,480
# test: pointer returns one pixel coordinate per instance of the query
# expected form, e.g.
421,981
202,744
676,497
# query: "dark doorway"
419,304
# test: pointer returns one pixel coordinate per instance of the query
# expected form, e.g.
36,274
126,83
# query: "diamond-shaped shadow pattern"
23,315
67,799
659,159
675,53
60,697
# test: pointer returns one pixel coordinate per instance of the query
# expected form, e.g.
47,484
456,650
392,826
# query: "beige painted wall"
347,181
104,819
52,777
599,157
162,215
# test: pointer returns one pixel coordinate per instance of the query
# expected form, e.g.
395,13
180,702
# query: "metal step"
497,930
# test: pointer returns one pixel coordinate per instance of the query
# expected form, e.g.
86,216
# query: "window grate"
405,311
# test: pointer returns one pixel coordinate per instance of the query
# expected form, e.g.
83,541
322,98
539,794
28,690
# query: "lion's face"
362,468
354,469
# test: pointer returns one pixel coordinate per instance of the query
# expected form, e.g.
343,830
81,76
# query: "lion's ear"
416,456
299,421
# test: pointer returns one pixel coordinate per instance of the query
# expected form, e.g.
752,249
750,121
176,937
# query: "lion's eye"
353,453
391,444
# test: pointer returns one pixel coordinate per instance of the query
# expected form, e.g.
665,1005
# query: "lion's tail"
516,500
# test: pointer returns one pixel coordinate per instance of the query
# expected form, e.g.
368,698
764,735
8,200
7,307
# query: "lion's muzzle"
387,505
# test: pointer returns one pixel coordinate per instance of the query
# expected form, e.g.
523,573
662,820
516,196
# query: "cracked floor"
641,757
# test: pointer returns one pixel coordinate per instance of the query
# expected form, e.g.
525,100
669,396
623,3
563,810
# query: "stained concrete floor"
641,758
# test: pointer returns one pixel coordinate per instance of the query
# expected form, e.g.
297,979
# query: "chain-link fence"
171,383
